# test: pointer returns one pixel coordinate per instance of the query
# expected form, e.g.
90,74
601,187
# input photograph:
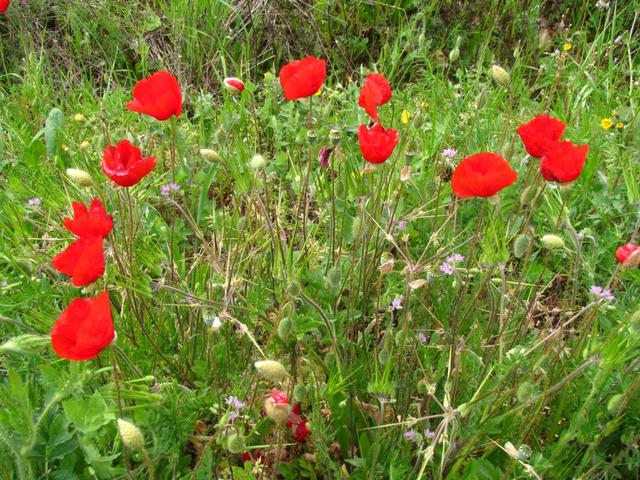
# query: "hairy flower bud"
552,242
499,75
271,370
131,435
80,177
210,155
277,406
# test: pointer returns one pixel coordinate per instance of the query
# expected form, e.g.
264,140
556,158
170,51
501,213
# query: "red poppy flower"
84,328
628,255
93,222
540,134
158,96
375,92
376,143
302,78
83,261
4,4
233,85
482,175
563,162
124,164
301,431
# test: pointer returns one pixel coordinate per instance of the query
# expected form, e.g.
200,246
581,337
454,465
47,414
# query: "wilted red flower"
301,431
628,255
4,4
376,91
83,261
563,162
323,156
376,143
482,175
277,406
158,96
540,134
124,164
302,78
84,328
233,85
92,222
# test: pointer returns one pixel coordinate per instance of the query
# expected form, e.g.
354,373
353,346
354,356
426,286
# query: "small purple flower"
411,435
456,257
34,202
396,304
235,402
428,433
402,224
168,188
323,156
447,268
602,292
422,338
449,152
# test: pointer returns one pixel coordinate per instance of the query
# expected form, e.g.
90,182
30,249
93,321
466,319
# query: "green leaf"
52,130
88,415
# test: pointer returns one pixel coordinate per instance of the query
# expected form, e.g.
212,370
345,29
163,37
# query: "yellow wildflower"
566,47
619,125
405,117
606,123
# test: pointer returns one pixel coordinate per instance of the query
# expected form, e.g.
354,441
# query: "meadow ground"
284,308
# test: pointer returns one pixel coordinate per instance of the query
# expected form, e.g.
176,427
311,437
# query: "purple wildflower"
447,268
235,402
402,224
34,202
396,304
168,188
456,257
428,433
323,156
411,435
422,338
602,292
449,152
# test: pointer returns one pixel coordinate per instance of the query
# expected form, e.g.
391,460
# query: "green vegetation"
506,366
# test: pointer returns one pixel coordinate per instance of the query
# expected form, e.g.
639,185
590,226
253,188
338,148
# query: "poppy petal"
540,134
125,165
158,96
563,162
482,175
83,261
302,78
376,143
89,222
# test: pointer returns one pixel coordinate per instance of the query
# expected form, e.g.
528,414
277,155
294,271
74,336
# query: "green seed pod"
499,75
284,328
235,443
615,403
521,245
552,242
526,391
299,392
334,136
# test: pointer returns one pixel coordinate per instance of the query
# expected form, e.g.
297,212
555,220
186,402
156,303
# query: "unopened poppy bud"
410,151
257,162
615,403
526,392
422,387
311,134
284,328
233,85
131,435
277,406
628,255
521,245
235,443
552,242
481,98
454,54
499,75
334,136
271,370
80,177
210,155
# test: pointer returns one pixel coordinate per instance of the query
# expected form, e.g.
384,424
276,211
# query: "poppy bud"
271,369
526,392
552,242
628,255
210,155
521,245
615,403
235,443
257,162
80,177
299,392
422,387
233,85
284,328
277,406
499,75
131,435
454,54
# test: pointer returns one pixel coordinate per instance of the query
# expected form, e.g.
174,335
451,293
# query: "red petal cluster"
125,165
4,4
376,143
158,96
628,255
482,175
302,78
375,92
